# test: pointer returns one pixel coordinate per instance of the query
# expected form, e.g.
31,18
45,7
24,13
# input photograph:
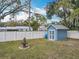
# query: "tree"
8,7
41,19
50,9
11,23
65,10
25,23
35,25
2,24
74,18
60,8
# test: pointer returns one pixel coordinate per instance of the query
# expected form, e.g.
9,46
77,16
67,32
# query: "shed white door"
51,35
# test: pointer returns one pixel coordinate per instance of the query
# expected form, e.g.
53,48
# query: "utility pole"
29,12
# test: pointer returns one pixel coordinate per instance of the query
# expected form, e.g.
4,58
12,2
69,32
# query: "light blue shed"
57,32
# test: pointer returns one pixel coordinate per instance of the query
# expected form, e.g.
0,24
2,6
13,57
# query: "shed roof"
58,26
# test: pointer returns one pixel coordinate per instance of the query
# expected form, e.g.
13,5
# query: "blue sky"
40,3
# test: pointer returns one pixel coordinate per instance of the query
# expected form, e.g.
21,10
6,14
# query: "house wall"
61,34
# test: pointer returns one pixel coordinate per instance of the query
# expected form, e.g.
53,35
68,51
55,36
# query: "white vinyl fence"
11,36
73,34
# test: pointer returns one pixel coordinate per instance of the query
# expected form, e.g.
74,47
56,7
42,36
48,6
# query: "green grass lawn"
40,49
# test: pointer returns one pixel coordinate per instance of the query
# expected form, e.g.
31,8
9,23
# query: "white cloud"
40,11
6,18
21,16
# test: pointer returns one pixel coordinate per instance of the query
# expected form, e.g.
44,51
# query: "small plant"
24,43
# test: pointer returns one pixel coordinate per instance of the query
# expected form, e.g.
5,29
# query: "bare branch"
11,6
